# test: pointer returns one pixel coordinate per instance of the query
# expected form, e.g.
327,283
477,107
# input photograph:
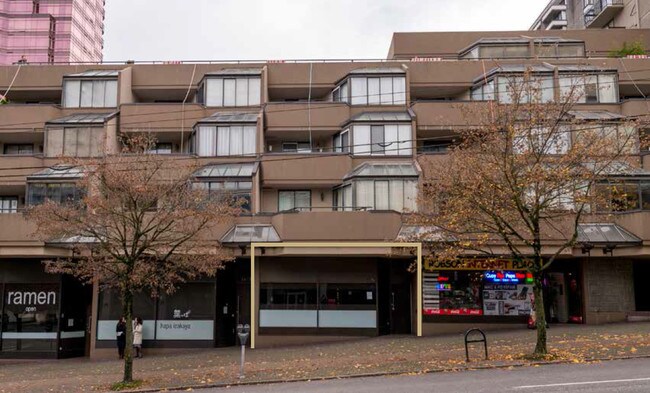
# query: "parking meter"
243,331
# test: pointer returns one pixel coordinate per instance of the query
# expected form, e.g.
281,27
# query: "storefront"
484,291
43,315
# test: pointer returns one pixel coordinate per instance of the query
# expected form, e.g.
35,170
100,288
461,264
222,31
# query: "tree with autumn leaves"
522,178
140,226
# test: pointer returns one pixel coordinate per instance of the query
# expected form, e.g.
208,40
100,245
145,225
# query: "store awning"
83,119
58,172
227,170
423,233
244,234
609,234
378,169
232,117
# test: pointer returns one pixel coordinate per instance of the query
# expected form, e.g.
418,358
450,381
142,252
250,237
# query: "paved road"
621,376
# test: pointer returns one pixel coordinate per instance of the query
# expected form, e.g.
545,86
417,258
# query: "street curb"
378,374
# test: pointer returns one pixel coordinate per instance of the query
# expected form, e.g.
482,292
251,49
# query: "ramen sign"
478,264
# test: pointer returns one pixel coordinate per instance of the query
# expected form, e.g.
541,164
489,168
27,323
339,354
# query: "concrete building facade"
51,31
593,14
324,252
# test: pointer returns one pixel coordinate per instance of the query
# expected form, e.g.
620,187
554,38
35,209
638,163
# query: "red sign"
457,311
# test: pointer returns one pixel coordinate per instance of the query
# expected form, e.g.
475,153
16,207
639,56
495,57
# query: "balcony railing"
600,12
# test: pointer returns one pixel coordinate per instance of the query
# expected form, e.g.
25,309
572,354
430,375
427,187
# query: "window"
602,88
343,198
210,141
8,204
38,193
294,200
389,140
385,90
399,195
161,148
504,51
88,93
296,147
622,197
232,91
537,89
18,149
341,93
341,142
74,142
436,146
231,191
538,139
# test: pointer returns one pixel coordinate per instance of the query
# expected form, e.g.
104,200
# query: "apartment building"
325,250
593,14
51,31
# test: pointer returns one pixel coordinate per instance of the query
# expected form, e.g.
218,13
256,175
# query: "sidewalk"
387,354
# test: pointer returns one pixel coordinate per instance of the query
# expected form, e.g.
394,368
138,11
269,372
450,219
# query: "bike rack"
478,340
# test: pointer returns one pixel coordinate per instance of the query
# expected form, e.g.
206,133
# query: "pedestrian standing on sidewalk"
120,333
137,337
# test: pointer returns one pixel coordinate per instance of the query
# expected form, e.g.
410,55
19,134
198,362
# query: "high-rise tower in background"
51,31
593,14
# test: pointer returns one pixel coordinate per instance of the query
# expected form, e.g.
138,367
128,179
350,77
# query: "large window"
311,305
38,193
30,317
537,89
74,142
296,147
8,204
210,141
389,139
341,142
294,200
384,90
232,91
602,88
624,196
394,194
18,149
233,191
343,200
84,93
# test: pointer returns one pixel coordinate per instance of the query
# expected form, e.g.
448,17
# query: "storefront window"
318,305
187,314
485,292
30,318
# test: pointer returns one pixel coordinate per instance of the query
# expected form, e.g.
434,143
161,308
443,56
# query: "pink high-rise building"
51,31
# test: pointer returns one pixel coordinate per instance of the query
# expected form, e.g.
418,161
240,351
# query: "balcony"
553,12
557,24
286,118
337,226
15,168
161,117
279,170
26,117
598,13
15,230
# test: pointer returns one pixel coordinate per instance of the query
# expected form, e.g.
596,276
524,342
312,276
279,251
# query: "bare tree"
140,226
521,179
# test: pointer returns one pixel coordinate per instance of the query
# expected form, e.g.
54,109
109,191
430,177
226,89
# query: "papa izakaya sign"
477,264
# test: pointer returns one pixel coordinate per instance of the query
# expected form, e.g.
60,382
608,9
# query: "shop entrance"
226,314
394,297
641,289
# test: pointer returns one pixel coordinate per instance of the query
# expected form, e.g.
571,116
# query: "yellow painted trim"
417,246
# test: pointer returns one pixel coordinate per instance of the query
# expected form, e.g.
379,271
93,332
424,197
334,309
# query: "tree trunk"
127,310
540,315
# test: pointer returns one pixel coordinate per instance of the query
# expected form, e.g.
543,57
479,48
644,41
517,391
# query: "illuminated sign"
507,277
477,264
443,287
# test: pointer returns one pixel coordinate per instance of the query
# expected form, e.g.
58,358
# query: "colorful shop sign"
477,264
455,311
508,277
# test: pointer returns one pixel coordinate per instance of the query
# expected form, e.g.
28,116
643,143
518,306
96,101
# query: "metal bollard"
243,331
480,340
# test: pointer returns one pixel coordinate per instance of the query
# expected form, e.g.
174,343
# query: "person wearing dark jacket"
120,333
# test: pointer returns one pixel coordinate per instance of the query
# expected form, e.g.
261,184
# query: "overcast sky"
292,29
